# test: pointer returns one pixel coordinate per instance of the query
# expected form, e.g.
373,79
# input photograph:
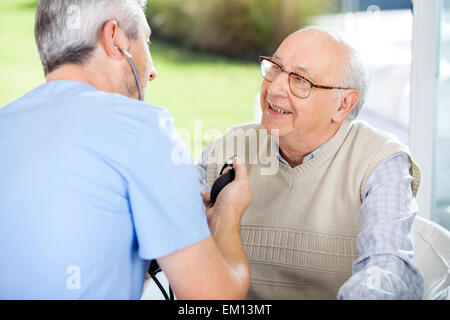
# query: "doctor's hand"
231,202
222,270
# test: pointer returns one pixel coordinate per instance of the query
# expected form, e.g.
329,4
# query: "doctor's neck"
93,73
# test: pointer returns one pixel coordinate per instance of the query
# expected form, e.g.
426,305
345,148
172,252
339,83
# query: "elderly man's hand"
231,202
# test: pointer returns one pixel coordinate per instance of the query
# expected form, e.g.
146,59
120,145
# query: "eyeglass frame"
313,85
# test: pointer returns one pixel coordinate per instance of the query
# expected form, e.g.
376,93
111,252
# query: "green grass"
20,67
192,86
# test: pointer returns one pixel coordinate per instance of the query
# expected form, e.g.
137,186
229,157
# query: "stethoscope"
130,57
154,267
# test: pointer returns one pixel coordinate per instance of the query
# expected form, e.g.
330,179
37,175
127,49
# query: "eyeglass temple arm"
327,87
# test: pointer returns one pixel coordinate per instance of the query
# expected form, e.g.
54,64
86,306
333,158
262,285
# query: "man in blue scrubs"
89,189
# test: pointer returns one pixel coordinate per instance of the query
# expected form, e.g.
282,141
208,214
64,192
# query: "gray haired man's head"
67,31
355,73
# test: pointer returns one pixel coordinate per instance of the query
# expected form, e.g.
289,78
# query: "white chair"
150,291
432,257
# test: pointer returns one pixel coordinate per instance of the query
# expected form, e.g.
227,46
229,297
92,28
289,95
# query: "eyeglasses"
299,86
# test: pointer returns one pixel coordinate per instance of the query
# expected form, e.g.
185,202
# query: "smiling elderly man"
335,220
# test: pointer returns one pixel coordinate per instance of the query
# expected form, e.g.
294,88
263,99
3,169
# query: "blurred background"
206,55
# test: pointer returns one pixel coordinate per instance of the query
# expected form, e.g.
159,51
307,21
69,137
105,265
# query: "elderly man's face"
317,57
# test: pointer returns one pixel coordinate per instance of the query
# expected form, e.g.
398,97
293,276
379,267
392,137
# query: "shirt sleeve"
384,269
164,193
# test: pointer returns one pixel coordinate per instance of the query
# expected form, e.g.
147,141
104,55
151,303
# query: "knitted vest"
299,233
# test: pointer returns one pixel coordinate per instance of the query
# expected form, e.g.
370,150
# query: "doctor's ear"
113,39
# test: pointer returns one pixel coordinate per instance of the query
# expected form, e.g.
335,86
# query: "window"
441,135
430,107
382,32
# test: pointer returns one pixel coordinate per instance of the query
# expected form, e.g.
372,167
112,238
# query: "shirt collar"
308,157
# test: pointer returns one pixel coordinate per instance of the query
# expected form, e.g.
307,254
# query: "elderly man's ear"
348,102
112,38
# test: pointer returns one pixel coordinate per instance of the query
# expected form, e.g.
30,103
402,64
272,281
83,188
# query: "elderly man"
88,189
334,220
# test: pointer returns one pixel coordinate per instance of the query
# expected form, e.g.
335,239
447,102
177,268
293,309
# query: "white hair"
355,72
67,31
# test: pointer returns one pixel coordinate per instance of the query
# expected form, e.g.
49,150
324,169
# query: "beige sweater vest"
299,233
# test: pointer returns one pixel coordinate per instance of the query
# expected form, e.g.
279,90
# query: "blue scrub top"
91,188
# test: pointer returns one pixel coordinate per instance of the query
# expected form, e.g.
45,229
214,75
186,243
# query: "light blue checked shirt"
385,244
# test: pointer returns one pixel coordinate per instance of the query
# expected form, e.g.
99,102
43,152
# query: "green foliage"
234,28
20,66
